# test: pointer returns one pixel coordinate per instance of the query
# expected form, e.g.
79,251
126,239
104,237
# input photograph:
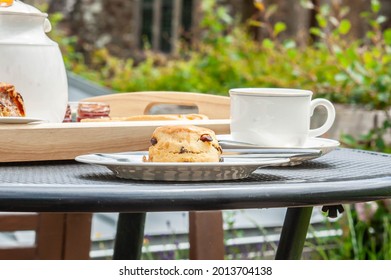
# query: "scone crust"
184,144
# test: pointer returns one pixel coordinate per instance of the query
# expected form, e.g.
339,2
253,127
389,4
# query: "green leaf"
255,23
375,6
316,31
279,27
343,60
370,35
365,15
344,27
373,23
368,58
270,11
387,124
349,140
321,21
267,44
380,144
387,36
366,137
292,53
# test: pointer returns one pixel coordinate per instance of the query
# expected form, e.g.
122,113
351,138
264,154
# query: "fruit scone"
184,143
11,102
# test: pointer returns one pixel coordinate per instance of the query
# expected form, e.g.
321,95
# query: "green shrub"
340,69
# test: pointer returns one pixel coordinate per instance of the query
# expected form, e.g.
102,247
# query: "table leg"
130,236
294,232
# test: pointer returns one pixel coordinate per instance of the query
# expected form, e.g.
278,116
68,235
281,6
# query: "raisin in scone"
185,143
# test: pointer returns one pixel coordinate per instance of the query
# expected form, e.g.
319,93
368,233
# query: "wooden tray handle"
140,103
156,108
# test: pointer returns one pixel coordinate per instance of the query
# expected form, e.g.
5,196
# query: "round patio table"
340,177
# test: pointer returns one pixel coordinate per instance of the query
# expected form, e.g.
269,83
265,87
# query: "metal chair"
57,236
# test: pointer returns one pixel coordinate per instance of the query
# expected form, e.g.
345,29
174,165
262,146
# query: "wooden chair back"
57,236
206,234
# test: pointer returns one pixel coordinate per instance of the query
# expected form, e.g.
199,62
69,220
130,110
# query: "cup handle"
330,116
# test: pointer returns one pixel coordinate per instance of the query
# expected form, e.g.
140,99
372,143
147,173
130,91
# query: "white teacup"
276,117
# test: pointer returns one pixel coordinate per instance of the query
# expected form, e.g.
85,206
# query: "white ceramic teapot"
31,61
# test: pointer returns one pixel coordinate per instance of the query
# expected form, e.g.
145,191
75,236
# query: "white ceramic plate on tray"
18,120
323,144
131,166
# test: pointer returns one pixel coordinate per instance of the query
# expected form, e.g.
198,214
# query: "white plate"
18,120
131,166
323,144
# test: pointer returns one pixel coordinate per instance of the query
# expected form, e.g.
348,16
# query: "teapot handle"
47,26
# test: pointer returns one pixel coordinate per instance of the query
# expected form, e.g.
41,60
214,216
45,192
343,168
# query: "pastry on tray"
11,102
163,117
185,143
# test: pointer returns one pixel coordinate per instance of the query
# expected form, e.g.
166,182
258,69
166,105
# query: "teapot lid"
18,7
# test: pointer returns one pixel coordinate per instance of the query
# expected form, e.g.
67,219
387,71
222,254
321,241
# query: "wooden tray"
64,141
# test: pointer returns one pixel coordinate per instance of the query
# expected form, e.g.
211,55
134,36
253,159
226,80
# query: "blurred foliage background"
227,53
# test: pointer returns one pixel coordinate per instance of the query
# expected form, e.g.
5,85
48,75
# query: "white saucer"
323,144
18,120
131,166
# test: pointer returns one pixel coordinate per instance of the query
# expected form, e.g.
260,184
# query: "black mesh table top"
342,176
